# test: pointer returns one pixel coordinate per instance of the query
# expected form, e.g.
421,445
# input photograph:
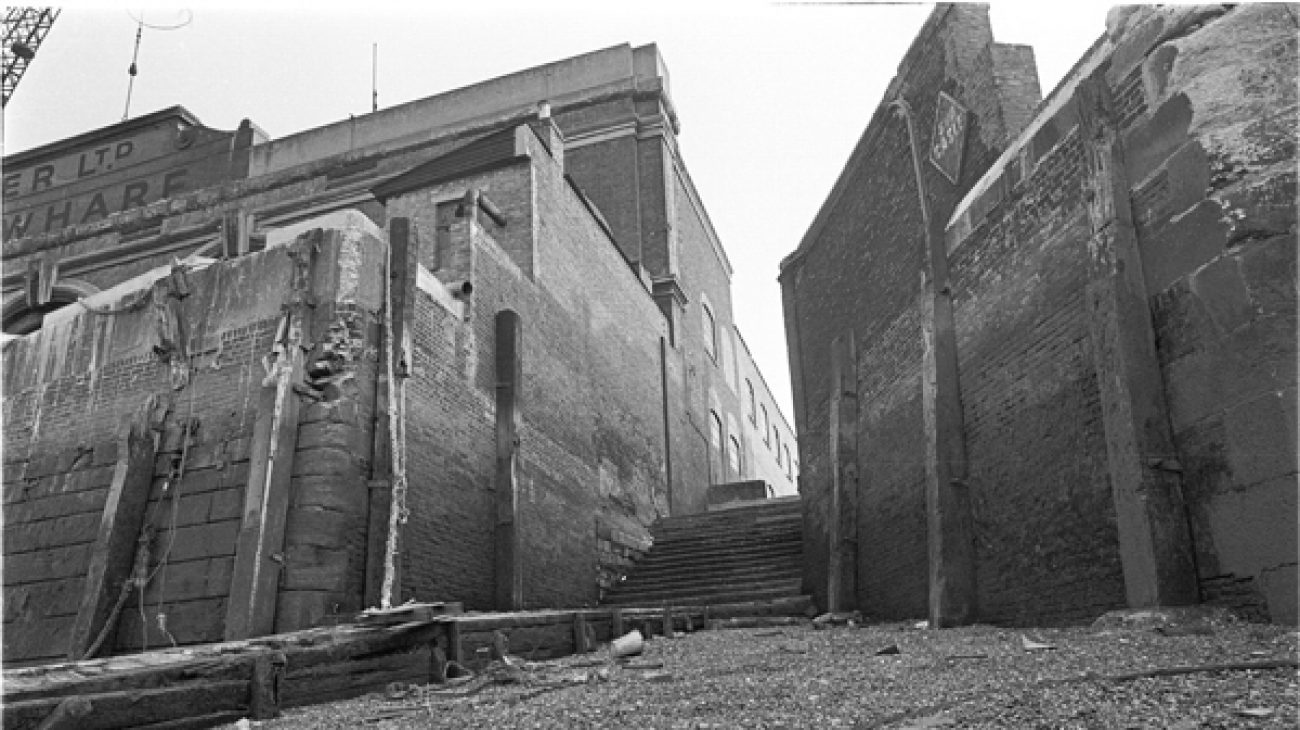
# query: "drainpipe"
950,531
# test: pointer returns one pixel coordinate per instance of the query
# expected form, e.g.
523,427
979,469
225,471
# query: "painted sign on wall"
948,142
88,178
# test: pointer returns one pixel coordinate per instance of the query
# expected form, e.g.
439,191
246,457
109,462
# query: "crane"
25,28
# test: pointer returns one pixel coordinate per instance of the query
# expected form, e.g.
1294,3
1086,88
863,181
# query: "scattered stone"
891,649
1031,645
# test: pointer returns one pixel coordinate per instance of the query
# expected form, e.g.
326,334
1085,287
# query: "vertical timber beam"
950,528
842,521
508,572
382,528
259,546
113,555
1154,537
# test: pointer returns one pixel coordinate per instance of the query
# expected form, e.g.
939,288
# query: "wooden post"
616,623
1154,537
841,588
950,530
509,369
255,578
455,648
580,644
264,694
437,664
668,623
113,555
384,528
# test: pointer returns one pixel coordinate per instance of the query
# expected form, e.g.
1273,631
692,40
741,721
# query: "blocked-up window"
789,464
749,387
710,332
716,461
776,445
733,456
767,427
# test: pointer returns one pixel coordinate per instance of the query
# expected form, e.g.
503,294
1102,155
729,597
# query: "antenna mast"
374,77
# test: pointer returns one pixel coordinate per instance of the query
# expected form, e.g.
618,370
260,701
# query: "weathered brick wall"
1208,137
67,388
866,246
52,505
591,469
1045,521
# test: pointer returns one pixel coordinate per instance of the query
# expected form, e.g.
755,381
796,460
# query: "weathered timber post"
255,578
386,488
265,684
113,555
949,525
509,369
842,522
1154,537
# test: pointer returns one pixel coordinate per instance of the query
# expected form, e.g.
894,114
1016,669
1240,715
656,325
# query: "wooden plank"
345,679
509,374
139,678
255,579
264,688
113,555
1155,541
581,634
133,708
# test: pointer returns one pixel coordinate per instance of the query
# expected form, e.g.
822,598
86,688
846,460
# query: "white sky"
771,97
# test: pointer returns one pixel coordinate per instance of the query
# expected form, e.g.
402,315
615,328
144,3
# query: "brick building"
1068,383
467,348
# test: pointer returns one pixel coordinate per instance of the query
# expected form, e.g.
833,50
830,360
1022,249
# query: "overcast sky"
771,97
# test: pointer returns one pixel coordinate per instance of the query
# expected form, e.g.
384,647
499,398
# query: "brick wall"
865,245
1208,149
68,386
1045,521
591,468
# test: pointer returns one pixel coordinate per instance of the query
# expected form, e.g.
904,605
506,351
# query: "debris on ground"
1116,675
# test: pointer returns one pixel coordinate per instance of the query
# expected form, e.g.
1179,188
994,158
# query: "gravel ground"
798,677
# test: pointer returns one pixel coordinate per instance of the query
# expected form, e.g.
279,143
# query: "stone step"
793,528
723,544
689,596
643,571
674,579
746,556
732,517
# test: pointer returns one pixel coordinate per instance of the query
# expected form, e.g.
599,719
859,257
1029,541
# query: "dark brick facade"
866,245
1206,166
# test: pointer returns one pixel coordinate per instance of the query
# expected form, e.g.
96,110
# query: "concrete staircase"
738,561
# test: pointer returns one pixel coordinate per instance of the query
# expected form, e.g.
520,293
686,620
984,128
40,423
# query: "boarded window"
716,462
710,333
733,456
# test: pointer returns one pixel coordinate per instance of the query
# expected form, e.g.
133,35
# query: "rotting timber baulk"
205,685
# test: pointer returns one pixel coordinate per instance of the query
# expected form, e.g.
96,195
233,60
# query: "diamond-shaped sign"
949,140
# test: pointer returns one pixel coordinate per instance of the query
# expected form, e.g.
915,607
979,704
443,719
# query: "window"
776,435
733,456
716,462
749,386
710,332
767,428
789,464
